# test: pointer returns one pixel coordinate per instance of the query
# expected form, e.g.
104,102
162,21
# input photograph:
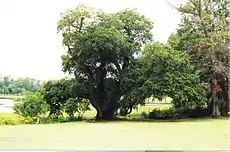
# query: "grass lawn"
201,134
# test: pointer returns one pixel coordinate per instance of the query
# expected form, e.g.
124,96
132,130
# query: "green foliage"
204,22
172,113
14,119
56,93
159,72
76,105
169,113
68,119
10,121
174,42
6,122
204,35
83,106
9,85
196,113
61,97
32,106
111,71
167,72
101,48
71,107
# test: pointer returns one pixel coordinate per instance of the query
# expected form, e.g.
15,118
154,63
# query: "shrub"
56,94
68,119
33,106
196,113
172,113
157,113
13,119
5,121
83,106
71,107
76,105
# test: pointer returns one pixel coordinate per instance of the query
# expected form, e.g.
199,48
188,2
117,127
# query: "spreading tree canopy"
101,47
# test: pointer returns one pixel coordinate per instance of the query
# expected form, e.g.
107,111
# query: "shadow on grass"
16,120
155,120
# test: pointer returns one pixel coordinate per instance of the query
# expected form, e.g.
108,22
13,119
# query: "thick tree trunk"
104,95
98,109
215,107
223,96
215,104
224,109
103,113
225,99
98,115
227,94
107,112
106,115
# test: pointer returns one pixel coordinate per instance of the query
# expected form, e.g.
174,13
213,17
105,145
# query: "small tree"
32,106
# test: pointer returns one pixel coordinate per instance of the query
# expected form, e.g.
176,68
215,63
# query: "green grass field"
193,134
188,135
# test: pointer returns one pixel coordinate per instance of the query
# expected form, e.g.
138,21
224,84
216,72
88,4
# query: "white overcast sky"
30,46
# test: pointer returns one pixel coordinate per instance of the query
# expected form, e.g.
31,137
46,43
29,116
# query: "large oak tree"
101,47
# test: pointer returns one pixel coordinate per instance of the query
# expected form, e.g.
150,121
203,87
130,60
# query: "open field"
190,134
205,134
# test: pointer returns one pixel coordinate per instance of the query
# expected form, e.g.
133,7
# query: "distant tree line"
9,85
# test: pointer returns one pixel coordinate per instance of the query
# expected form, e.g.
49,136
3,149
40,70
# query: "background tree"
204,34
9,85
164,72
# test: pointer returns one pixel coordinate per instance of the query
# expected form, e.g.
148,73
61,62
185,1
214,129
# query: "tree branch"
180,9
199,11
78,26
125,63
118,66
81,24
